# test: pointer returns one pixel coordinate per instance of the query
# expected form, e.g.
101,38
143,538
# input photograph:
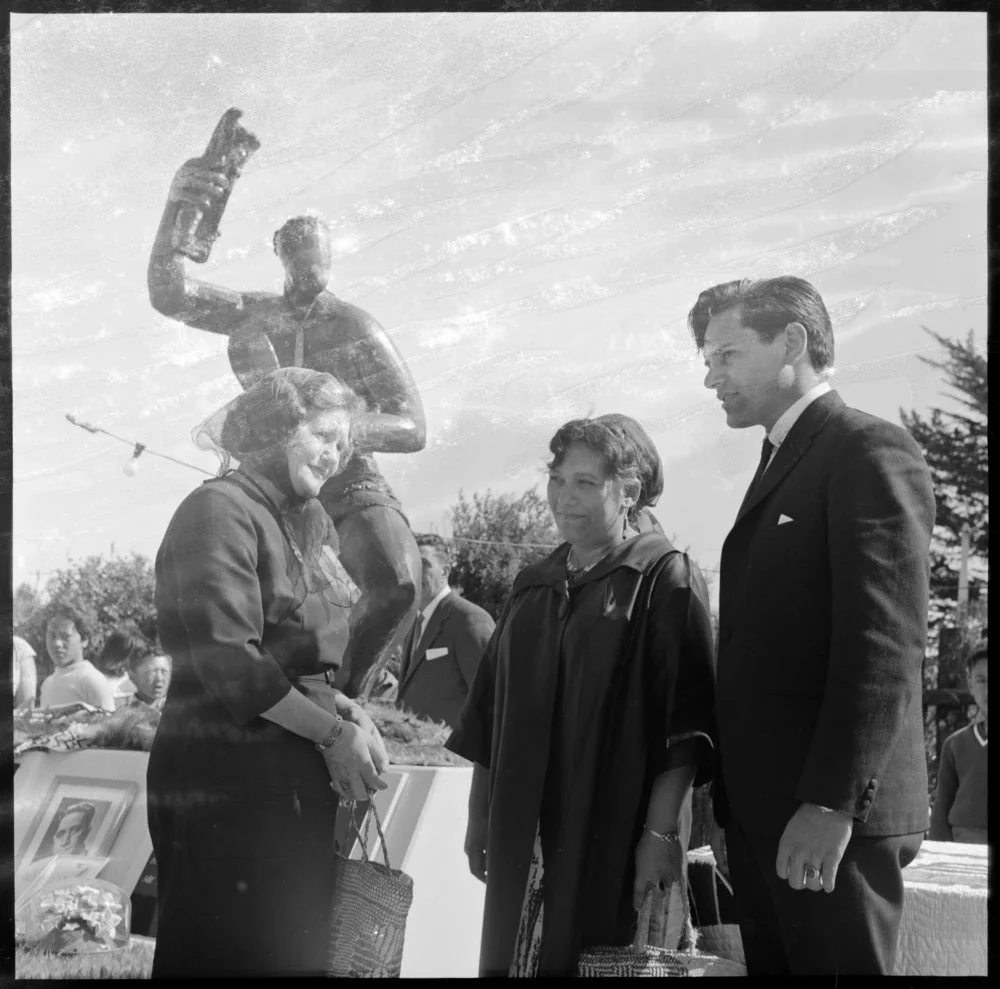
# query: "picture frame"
110,842
79,816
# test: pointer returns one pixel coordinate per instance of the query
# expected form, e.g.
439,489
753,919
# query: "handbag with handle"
640,959
370,905
713,907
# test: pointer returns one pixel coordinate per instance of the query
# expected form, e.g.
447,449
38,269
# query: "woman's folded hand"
355,761
376,746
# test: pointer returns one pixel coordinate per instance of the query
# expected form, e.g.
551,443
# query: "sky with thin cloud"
528,203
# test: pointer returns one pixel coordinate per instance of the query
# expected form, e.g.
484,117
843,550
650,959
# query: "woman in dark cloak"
252,606
590,716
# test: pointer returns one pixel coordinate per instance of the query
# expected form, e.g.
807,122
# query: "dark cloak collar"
638,553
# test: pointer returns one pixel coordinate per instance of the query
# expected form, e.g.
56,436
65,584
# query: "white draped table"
944,928
944,925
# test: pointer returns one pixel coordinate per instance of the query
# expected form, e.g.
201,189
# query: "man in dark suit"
443,649
821,782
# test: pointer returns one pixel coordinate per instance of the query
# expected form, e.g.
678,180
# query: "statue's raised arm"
190,225
308,326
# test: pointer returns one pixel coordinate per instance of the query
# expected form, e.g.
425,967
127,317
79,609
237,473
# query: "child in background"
120,647
960,802
75,679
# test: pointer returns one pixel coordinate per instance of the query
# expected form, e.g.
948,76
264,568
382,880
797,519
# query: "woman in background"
590,716
252,608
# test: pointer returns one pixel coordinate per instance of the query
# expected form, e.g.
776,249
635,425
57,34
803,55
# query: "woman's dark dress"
240,810
571,709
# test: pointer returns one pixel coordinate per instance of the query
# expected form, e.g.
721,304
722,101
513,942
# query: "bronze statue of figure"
308,326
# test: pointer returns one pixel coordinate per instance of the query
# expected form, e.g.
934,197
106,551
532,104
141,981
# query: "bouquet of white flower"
68,918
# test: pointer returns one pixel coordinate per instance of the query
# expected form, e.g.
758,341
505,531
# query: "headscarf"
254,429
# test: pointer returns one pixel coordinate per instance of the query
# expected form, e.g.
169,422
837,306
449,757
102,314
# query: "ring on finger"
811,872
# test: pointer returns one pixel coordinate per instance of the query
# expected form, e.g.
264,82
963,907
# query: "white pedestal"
424,814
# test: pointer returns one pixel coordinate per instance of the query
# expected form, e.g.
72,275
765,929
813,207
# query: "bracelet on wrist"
667,837
331,739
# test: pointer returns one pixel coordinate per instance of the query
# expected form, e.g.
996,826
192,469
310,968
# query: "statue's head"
303,245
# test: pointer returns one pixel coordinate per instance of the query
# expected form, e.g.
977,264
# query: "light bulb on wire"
132,467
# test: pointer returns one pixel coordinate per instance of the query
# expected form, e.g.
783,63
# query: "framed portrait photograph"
79,816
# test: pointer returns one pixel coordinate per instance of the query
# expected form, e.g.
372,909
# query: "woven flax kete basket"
370,905
642,960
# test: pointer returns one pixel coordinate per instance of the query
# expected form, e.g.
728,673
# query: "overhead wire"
136,446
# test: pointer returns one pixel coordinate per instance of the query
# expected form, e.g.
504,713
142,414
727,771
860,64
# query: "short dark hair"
138,659
976,653
297,229
123,649
439,543
626,447
63,609
767,306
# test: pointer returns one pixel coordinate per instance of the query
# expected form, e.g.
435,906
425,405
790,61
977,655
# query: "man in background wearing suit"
443,649
821,782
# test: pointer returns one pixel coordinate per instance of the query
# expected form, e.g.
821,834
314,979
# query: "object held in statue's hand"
195,228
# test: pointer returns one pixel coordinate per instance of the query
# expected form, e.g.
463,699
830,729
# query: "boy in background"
960,802
75,679
150,672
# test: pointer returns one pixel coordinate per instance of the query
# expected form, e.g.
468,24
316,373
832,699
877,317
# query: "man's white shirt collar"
780,430
435,601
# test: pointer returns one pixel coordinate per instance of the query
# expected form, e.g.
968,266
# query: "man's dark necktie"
418,629
765,458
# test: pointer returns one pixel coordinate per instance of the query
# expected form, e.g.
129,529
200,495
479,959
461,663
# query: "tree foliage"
495,536
955,445
106,591
26,602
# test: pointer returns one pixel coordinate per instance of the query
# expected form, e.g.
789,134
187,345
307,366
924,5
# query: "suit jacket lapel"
812,420
427,636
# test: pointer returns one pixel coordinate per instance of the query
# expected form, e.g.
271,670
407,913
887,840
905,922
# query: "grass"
132,962
411,740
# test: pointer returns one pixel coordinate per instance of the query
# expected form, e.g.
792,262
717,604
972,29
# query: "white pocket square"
437,653
782,519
